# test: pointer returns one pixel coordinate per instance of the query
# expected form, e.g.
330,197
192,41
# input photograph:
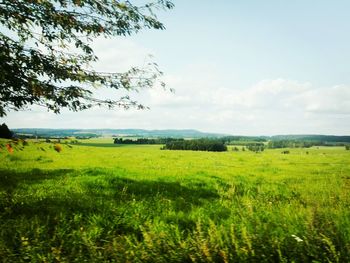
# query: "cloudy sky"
237,66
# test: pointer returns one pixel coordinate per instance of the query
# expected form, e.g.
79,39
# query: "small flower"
25,241
298,239
57,148
9,148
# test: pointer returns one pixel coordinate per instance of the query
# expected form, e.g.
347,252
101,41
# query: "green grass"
97,202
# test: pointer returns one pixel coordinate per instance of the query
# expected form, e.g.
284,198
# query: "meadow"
100,202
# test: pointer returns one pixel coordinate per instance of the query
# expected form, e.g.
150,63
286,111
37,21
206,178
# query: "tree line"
255,146
145,140
301,144
5,132
196,145
214,145
220,144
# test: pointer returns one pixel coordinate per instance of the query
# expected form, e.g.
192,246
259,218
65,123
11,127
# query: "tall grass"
141,204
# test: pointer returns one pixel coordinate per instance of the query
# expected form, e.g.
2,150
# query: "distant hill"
311,138
186,133
298,137
114,132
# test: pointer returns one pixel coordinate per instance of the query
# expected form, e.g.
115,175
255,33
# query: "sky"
247,67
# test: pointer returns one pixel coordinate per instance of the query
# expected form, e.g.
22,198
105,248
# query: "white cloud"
268,95
205,99
268,107
118,54
333,100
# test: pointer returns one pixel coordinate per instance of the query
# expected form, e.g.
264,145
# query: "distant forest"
196,145
169,137
140,133
256,144
145,140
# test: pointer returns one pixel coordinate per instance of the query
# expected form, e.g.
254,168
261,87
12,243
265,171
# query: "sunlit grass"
96,201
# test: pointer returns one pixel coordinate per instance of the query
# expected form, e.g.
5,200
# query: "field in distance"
97,201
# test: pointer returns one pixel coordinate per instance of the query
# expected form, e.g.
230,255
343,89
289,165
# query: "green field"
96,202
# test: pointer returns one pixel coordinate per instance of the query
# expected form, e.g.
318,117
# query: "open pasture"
97,202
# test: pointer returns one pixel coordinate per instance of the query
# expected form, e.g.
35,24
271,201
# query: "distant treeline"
53,133
301,144
312,138
285,141
255,146
210,145
145,140
290,140
242,140
289,144
258,144
30,136
214,145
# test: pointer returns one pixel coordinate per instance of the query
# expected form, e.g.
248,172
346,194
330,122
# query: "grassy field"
96,202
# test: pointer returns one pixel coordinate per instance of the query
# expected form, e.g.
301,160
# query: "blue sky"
239,67
253,40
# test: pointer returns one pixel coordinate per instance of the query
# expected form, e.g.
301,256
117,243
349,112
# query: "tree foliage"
275,144
45,52
145,140
255,147
5,132
197,145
